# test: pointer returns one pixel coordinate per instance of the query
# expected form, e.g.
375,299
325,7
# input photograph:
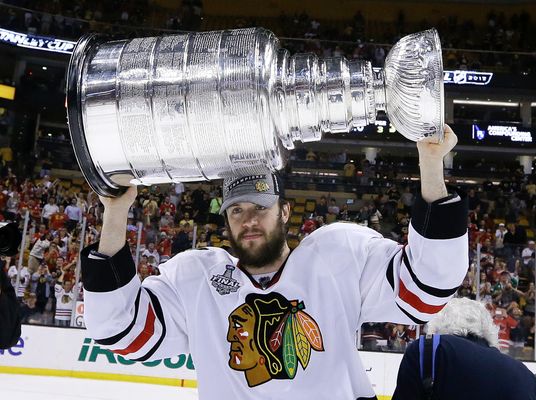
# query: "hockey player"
271,324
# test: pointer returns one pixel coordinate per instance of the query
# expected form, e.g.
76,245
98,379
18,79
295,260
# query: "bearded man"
271,323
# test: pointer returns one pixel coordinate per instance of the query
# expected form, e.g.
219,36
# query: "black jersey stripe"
390,273
160,315
425,288
414,319
116,338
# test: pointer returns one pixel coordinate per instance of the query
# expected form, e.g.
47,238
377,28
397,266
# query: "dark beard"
267,253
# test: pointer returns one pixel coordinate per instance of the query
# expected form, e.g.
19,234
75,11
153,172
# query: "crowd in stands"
168,219
467,46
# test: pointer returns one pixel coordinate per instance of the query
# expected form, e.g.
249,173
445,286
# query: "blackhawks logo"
261,186
269,336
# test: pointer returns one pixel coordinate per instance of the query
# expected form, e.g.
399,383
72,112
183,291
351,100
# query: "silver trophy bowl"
202,106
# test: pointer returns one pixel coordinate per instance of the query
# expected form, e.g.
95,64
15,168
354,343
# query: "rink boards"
54,351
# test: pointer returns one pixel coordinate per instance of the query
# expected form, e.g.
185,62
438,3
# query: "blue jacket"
466,369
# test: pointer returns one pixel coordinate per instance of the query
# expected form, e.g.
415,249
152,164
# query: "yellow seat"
296,220
299,209
310,206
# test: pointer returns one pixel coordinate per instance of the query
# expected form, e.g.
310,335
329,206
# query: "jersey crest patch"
225,283
270,336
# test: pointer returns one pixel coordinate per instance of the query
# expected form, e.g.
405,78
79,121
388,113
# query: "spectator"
399,338
505,324
167,212
201,213
374,218
74,213
49,209
23,278
465,358
349,172
59,219
143,272
151,251
214,216
321,209
42,280
371,335
333,208
407,198
37,254
181,241
164,246
186,220
29,310
64,303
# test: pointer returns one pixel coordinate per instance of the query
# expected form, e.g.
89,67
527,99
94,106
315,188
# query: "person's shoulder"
341,229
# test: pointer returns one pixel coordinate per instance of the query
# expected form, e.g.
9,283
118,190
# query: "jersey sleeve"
409,284
140,321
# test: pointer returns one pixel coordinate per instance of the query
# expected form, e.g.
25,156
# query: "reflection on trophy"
199,106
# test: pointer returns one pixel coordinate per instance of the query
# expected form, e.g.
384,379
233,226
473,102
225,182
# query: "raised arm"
431,166
419,279
113,234
138,321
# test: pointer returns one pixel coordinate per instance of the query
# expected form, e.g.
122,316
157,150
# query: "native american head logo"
269,336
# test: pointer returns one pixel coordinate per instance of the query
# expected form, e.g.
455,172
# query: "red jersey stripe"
413,300
143,337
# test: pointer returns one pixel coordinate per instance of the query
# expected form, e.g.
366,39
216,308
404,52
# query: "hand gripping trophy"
199,106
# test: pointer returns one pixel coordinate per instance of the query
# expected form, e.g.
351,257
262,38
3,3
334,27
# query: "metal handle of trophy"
337,94
361,93
304,100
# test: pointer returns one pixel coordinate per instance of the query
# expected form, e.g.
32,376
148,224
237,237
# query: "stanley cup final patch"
225,283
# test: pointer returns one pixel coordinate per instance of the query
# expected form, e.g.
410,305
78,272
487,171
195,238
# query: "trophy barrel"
185,107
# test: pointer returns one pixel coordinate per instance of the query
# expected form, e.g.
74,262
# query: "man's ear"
285,212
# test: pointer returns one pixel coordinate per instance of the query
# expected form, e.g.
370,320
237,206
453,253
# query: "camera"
10,238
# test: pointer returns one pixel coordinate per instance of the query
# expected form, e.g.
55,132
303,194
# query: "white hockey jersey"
294,339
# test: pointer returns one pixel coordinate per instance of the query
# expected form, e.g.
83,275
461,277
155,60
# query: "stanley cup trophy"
201,106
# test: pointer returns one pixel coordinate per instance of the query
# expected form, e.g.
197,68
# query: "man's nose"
250,218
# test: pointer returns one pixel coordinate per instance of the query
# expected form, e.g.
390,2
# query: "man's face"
257,234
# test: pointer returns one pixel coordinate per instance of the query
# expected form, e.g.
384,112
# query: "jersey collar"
272,281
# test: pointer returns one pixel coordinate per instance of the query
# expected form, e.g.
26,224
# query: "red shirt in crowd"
58,220
164,247
35,212
505,325
167,208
